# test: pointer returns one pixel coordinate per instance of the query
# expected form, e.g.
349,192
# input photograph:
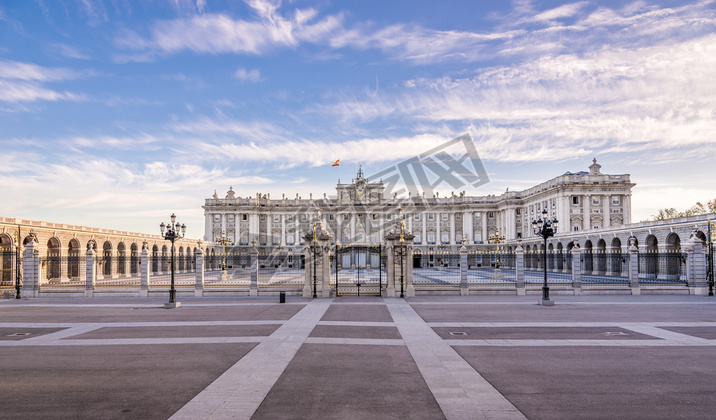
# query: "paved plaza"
502,357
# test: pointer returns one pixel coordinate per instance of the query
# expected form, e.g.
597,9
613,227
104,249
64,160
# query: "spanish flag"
337,163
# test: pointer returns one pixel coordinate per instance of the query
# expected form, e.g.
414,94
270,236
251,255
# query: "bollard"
282,297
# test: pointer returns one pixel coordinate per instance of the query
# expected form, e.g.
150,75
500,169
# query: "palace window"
244,217
431,237
231,218
303,217
445,237
331,217
289,218
417,239
276,218
575,200
431,216
595,201
444,216
615,200
416,217
490,215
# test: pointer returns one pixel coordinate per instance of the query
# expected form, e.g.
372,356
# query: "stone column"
633,268
577,269
91,272
283,230
389,271
452,229
520,270
438,232
199,272
393,247
424,238
254,258
321,254
483,235
464,287
696,266
30,271
146,271
587,206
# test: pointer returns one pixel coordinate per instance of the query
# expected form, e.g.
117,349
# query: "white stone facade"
360,213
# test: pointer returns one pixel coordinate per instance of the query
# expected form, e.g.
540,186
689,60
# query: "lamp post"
18,262
223,241
315,295
545,228
712,237
497,238
402,250
172,233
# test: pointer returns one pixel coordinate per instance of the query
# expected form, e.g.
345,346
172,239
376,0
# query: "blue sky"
116,113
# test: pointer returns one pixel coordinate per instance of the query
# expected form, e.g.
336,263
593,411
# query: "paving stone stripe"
357,323
697,342
461,392
356,341
559,302
132,341
629,325
238,392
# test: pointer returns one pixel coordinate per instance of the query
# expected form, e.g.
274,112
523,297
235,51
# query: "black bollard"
282,297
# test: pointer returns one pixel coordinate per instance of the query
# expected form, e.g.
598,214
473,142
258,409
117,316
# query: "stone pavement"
476,357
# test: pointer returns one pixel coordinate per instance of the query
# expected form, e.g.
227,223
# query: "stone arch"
702,237
588,257
164,259
107,258
155,259
615,257
134,259
560,256
53,259
7,244
600,257
672,255
7,248
568,256
650,260
121,259
181,259
73,259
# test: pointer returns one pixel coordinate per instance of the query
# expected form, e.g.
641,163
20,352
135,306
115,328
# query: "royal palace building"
360,212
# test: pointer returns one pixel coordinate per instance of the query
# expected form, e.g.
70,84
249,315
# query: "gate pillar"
317,253
91,263
199,271
399,252
145,271
696,266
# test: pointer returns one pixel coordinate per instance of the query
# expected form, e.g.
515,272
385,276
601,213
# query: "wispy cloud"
244,75
24,82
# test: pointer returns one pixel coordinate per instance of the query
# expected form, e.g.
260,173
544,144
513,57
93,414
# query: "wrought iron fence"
662,268
487,268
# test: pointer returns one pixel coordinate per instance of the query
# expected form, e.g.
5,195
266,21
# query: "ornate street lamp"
18,263
545,228
712,238
497,239
402,250
315,257
172,233
223,241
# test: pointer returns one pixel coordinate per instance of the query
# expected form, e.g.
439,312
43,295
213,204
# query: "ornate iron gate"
359,270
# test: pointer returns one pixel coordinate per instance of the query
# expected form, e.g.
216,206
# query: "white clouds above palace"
154,105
